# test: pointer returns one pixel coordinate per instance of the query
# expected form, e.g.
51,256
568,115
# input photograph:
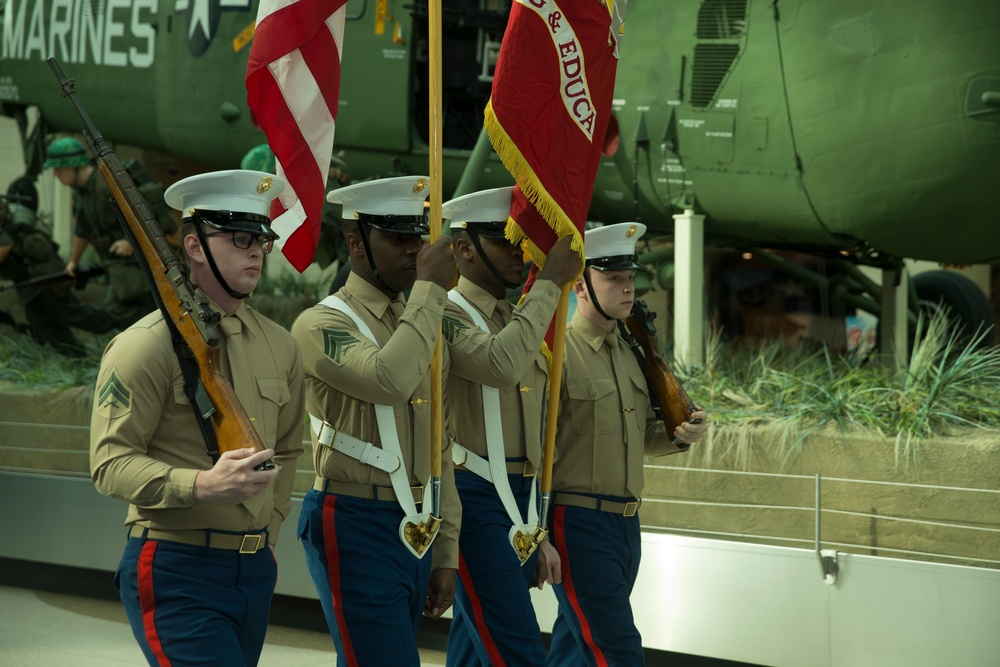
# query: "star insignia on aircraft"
203,20
335,343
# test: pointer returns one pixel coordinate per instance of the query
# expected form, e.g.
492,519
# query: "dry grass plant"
801,391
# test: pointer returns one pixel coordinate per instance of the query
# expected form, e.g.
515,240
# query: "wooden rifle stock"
192,317
673,405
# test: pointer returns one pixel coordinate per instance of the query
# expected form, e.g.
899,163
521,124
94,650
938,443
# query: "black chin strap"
474,237
363,230
593,295
215,269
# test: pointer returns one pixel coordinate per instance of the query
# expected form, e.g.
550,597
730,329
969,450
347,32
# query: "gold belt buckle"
631,508
418,494
528,470
245,547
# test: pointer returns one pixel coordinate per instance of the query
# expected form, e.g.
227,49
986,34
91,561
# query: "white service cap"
612,247
485,211
234,190
403,195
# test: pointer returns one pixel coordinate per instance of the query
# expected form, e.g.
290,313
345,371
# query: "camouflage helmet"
66,152
259,158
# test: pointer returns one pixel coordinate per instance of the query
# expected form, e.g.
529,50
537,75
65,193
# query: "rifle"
672,403
81,279
192,322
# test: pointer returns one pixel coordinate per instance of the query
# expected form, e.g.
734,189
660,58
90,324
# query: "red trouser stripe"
147,602
567,577
477,611
333,574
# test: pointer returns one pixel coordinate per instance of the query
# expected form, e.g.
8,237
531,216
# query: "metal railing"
828,558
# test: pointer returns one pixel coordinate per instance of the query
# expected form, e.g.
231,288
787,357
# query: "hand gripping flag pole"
421,533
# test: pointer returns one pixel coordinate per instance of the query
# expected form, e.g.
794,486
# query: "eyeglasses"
242,240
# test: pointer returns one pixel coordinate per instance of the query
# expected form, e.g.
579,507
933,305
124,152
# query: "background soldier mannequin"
97,224
373,589
604,404
494,622
28,252
197,576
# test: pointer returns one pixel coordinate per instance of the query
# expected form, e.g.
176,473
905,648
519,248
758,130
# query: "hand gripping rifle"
672,403
192,322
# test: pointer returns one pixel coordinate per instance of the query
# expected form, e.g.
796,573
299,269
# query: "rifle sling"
641,358
193,389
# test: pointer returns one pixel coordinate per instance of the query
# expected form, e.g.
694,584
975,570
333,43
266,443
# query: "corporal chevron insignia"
451,327
335,343
114,398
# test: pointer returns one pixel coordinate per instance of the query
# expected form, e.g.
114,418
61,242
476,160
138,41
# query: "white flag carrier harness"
494,467
389,457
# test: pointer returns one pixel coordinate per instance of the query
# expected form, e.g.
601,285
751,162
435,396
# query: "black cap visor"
234,221
396,224
616,263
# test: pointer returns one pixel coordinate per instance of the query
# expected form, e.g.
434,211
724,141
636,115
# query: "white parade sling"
388,458
494,467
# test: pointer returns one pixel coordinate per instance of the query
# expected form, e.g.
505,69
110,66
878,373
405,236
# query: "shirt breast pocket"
593,405
275,393
641,401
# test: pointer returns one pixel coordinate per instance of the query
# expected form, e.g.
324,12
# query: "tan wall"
46,431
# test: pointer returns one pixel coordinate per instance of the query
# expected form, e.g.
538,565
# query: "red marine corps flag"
293,87
549,112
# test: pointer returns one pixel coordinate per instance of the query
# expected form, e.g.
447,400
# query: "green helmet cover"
260,158
66,152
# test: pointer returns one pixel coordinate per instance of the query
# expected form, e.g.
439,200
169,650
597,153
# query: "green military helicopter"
863,131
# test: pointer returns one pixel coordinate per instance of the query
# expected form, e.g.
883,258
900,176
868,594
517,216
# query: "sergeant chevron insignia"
114,398
451,327
336,343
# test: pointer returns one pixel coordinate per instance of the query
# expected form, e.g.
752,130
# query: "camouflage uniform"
51,309
128,297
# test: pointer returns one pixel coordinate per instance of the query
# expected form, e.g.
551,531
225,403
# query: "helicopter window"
722,19
471,31
711,64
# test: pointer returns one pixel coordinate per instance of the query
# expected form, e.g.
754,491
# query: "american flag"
293,88
549,112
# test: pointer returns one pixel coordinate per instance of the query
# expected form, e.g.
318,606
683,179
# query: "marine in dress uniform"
495,397
367,353
197,574
606,425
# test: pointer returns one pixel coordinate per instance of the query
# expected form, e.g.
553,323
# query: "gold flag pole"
552,410
420,535
435,144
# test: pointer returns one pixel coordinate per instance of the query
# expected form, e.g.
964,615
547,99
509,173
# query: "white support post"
62,210
894,324
689,288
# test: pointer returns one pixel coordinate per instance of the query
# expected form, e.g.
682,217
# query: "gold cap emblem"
191,212
631,231
265,184
420,185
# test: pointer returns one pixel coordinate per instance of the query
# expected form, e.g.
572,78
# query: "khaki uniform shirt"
346,373
509,358
606,421
145,443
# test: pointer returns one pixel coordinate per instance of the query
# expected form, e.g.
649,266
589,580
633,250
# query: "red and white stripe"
293,88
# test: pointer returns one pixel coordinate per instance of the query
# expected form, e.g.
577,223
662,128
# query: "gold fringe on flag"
532,188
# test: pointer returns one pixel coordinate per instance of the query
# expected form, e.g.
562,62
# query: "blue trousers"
371,587
493,621
192,605
600,555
